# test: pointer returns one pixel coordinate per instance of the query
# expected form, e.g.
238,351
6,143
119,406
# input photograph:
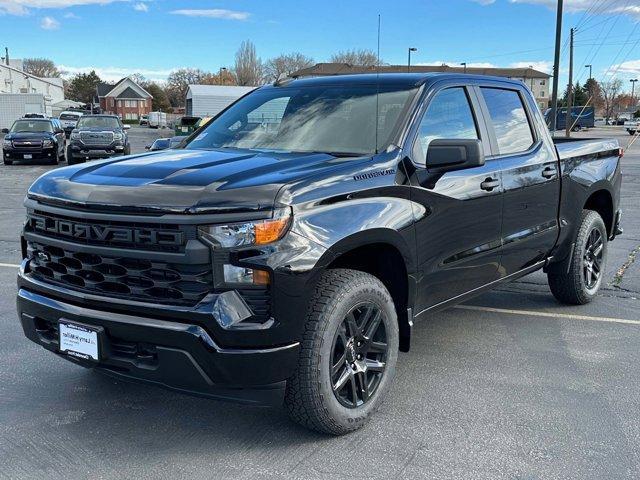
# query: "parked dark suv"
97,136
33,139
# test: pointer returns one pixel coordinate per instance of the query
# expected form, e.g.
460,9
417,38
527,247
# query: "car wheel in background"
348,353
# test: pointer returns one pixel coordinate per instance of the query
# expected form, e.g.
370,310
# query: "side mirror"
444,155
147,147
5,130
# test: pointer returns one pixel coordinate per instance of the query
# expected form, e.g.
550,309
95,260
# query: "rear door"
529,176
459,213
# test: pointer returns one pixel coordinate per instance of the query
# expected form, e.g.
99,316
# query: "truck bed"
578,147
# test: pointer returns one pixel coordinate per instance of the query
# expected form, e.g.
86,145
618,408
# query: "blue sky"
120,37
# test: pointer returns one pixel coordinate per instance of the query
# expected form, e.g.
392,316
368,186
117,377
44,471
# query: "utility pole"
556,68
570,86
464,64
411,49
6,55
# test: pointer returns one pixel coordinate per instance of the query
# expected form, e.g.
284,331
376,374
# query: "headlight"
75,135
117,136
260,232
47,143
6,143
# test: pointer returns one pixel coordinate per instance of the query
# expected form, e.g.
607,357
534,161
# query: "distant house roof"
129,93
104,88
119,88
218,90
325,69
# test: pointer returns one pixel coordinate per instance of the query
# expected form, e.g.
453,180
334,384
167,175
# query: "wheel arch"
384,254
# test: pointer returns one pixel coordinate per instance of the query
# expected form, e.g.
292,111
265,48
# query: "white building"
209,100
26,93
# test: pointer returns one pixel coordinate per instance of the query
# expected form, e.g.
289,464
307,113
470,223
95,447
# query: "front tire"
348,354
580,284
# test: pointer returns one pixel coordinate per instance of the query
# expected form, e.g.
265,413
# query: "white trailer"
209,100
157,120
15,105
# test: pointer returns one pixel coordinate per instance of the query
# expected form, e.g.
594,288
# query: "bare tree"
610,92
178,82
363,57
248,68
41,67
223,77
285,64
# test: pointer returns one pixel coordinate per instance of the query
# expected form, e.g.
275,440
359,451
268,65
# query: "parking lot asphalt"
509,385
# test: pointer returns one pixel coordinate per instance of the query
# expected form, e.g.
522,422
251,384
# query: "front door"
458,213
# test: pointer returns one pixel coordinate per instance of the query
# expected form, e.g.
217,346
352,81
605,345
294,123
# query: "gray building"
537,81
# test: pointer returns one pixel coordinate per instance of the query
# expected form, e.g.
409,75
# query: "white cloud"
49,23
113,74
630,7
23,7
71,15
213,13
141,7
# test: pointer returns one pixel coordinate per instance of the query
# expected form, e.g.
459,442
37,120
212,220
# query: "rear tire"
348,354
580,284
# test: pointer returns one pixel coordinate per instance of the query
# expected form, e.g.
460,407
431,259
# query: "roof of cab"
391,79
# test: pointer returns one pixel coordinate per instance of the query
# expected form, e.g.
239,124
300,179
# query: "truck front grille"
27,144
121,277
99,139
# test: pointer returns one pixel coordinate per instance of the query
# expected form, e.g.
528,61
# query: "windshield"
332,119
69,116
109,123
31,126
161,143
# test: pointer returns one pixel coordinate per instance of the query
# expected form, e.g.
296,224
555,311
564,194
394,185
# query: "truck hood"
28,135
183,181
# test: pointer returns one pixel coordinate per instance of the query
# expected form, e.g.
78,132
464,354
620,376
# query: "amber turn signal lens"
261,277
270,230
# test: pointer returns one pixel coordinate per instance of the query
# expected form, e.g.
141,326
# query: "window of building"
543,82
448,116
509,120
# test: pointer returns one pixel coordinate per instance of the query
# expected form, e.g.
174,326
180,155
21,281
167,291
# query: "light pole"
633,90
222,69
590,67
464,64
411,49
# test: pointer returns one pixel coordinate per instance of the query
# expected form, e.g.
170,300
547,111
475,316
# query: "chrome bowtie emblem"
43,256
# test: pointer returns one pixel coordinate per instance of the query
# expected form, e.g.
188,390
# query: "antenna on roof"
378,85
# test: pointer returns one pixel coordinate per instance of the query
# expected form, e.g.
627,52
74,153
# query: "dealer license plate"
79,341
28,156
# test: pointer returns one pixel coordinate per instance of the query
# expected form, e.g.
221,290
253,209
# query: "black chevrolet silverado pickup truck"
284,251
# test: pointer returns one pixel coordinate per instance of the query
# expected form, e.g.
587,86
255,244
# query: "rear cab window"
509,120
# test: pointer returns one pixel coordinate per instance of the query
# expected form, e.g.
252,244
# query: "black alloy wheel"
358,355
592,259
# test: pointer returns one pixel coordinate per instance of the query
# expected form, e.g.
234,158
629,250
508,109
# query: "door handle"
489,184
549,172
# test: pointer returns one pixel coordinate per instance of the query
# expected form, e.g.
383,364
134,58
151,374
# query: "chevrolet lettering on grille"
105,233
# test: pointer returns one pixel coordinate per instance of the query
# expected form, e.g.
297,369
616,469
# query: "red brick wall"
114,106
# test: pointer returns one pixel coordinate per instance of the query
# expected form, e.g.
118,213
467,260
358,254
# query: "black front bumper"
80,150
35,154
176,355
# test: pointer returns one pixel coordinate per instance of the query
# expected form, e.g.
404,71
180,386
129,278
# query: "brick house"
126,99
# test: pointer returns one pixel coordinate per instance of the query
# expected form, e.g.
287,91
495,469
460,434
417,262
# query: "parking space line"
9,265
533,313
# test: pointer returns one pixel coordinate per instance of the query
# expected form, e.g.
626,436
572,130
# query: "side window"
448,116
509,120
